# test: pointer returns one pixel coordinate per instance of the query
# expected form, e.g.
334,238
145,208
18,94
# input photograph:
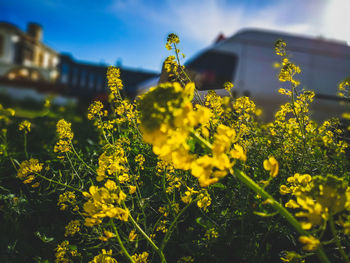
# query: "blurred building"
23,55
29,68
88,80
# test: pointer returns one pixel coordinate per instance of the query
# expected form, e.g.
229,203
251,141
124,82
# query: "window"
41,60
91,81
64,73
75,77
211,69
83,75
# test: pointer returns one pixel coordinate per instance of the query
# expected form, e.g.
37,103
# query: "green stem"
284,212
166,195
25,145
171,228
150,241
204,142
71,164
88,166
126,253
337,241
188,78
61,184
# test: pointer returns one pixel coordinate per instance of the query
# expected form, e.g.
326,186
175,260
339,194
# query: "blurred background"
64,47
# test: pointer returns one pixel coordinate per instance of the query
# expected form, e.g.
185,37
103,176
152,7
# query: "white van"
247,60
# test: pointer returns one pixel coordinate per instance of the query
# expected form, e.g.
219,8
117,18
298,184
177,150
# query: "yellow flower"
62,251
311,243
104,257
291,256
25,126
132,189
140,258
103,202
313,211
228,86
28,169
72,228
66,197
204,201
114,82
107,235
64,130
65,136
140,159
271,165
95,110
292,204
211,234
238,153
132,235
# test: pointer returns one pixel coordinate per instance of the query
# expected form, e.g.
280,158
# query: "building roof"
13,28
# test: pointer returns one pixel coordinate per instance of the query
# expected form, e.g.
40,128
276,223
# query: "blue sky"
134,31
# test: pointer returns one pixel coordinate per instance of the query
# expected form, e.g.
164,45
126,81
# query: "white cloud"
336,19
203,20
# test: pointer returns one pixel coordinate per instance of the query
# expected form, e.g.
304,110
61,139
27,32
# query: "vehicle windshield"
211,69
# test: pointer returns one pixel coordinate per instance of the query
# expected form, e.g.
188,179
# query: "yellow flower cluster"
72,228
344,88
288,69
245,108
209,169
95,110
186,259
299,184
67,198
104,257
126,112
104,202
331,136
140,159
211,234
5,113
214,102
171,66
168,119
115,84
280,48
62,252
28,169
172,39
204,200
228,86
162,226
140,258
187,198
112,162
25,126
65,136
317,197
173,179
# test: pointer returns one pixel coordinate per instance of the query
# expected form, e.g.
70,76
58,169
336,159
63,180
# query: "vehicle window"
211,69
